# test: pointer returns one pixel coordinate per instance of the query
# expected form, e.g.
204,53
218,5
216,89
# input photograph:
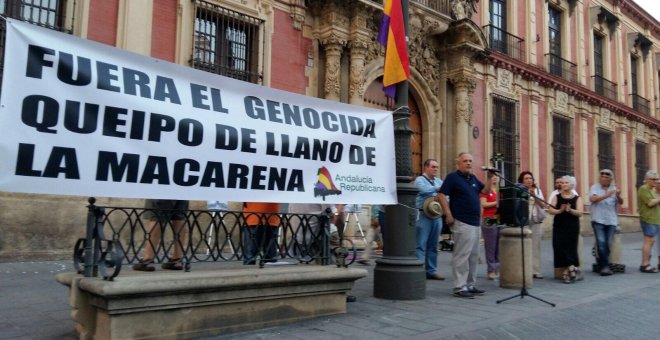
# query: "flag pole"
399,275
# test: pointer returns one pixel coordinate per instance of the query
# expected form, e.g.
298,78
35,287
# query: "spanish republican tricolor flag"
392,36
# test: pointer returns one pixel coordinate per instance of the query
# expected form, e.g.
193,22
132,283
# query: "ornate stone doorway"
374,97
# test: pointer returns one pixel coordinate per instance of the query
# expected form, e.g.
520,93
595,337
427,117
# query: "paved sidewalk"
34,306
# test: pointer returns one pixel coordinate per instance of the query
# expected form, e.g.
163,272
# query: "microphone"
493,170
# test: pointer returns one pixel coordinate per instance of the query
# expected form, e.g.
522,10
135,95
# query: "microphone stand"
524,196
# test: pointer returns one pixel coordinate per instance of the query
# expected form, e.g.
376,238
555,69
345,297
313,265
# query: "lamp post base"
399,275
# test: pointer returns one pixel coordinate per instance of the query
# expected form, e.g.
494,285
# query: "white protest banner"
83,118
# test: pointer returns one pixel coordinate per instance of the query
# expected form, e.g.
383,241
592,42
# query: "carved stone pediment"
504,80
561,101
641,130
605,118
465,34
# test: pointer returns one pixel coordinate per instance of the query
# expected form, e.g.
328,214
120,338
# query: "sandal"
173,264
572,273
566,278
144,265
647,269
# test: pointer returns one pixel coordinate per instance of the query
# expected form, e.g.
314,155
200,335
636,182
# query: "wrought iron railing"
641,104
604,87
561,67
440,6
117,236
505,42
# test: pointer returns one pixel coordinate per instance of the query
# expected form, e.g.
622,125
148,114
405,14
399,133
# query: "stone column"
360,41
356,81
333,52
464,85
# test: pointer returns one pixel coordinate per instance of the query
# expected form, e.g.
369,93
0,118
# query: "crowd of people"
469,210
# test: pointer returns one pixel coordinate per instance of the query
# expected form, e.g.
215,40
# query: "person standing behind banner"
463,215
536,217
428,228
376,227
490,231
262,224
159,213
305,236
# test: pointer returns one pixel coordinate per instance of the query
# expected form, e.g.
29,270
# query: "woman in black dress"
567,208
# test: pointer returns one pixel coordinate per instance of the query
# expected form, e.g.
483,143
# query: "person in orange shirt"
260,230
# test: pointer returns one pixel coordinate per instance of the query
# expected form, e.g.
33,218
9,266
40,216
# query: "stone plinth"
511,257
183,305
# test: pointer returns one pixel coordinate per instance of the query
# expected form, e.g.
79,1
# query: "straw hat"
432,209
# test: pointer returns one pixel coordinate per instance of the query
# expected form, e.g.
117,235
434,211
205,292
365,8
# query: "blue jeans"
428,233
604,234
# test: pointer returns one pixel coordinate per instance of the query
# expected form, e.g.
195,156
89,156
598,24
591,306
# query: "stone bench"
179,305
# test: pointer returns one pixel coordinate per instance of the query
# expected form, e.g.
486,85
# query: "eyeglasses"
603,173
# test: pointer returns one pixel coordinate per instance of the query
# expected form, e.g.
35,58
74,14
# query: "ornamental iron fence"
118,236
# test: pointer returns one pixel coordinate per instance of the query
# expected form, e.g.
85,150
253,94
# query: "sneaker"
605,271
464,294
476,291
435,276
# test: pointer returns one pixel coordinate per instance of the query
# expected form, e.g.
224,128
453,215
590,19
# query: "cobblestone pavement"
619,306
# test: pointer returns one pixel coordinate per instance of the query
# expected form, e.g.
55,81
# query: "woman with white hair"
567,208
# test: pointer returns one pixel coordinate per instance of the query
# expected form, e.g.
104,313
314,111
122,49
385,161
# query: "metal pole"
399,275
89,239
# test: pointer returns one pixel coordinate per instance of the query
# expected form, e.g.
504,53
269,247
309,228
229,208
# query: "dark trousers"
604,234
260,241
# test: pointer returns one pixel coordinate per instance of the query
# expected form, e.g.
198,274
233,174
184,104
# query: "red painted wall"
289,55
103,21
545,147
163,30
478,120
525,116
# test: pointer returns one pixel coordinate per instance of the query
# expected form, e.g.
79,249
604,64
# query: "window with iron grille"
46,13
642,162
498,22
562,146
505,135
227,42
598,64
605,150
554,36
633,74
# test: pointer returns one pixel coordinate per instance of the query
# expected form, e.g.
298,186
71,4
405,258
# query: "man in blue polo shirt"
463,216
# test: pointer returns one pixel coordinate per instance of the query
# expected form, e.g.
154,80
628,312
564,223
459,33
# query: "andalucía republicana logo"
324,186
